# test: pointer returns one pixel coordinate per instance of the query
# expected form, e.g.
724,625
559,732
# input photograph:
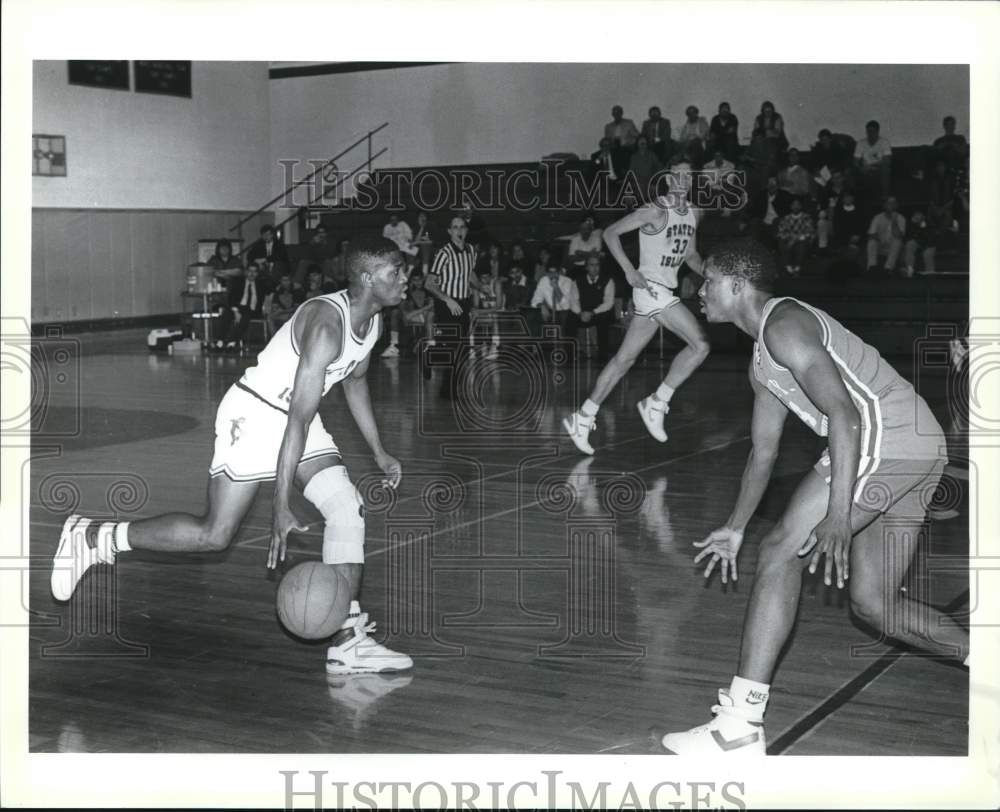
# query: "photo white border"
579,31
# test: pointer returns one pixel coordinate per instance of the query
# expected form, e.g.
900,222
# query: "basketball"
313,600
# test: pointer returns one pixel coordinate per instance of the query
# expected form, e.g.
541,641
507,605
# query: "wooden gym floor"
550,601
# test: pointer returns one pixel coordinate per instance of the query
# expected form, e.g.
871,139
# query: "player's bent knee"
217,538
701,348
343,510
869,608
777,548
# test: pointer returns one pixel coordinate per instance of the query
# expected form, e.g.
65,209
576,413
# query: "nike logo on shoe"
735,744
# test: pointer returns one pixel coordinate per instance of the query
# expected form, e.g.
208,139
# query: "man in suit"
245,301
608,161
272,251
656,130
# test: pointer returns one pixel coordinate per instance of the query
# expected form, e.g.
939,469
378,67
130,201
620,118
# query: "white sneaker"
493,353
652,412
360,654
578,428
729,734
72,559
392,351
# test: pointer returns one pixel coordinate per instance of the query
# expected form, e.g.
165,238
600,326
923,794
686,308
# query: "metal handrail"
366,137
327,191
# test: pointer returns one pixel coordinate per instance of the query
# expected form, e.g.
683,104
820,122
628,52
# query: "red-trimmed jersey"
890,408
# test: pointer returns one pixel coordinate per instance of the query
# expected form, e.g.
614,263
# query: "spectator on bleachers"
492,261
885,237
518,289
594,295
829,194
542,262
272,250
244,301
415,314
940,195
693,135
518,255
716,171
766,209
770,124
424,242
225,265
478,234
768,142
848,222
554,295
922,240
486,301
796,232
951,147
795,178
643,165
656,130
315,252
280,304
338,267
873,158
316,284
583,244
607,161
723,133
832,153
622,131
400,233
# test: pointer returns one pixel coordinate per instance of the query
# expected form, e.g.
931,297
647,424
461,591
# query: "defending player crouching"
268,427
880,470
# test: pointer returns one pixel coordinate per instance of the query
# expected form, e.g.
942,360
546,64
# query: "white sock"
589,408
394,337
965,662
749,697
663,394
355,609
105,543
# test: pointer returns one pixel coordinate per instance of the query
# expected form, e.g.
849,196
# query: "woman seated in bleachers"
225,265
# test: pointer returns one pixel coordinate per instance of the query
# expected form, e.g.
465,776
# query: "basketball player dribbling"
883,464
667,231
268,428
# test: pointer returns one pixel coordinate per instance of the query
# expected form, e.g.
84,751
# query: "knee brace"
335,496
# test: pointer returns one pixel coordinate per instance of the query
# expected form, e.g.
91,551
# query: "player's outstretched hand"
392,469
721,547
282,523
831,537
639,282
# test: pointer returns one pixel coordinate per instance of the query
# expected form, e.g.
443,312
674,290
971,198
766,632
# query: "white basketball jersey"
662,251
273,377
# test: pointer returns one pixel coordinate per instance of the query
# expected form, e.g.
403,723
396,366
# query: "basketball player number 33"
680,246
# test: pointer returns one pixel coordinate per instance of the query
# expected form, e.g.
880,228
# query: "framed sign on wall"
48,155
164,77
111,74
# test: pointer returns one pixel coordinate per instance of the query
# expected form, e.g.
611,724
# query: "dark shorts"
897,488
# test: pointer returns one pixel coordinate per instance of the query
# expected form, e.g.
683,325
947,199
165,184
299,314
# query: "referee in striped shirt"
451,282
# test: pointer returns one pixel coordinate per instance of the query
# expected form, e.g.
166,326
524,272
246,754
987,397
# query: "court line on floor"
481,480
533,503
846,692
